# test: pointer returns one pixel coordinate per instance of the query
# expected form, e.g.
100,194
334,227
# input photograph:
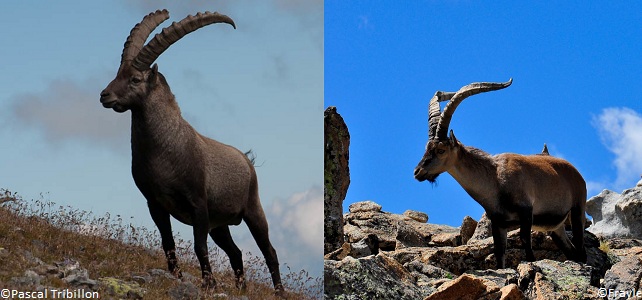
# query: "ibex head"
442,151
136,77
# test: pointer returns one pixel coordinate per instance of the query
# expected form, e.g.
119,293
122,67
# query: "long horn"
434,111
463,93
173,33
139,34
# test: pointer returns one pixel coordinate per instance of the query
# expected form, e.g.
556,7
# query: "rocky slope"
391,256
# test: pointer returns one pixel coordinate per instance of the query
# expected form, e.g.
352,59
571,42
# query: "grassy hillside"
39,241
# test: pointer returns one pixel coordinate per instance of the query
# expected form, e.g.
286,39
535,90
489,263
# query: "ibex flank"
533,192
197,180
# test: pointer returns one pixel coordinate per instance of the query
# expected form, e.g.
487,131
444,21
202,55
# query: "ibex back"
533,192
197,180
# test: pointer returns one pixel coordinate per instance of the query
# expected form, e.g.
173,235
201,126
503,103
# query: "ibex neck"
476,172
157,127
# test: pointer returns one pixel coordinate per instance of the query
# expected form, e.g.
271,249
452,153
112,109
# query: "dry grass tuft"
111,247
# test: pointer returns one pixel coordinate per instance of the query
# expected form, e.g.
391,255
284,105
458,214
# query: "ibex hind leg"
258,226
578,222
223,239
563,242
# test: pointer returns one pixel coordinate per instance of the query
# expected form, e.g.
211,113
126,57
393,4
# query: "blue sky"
576,71
258,87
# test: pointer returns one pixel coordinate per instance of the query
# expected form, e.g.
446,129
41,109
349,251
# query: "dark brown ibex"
533,192
197,180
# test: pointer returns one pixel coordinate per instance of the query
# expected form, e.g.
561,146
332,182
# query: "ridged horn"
434,111
173,33
463,93
139,35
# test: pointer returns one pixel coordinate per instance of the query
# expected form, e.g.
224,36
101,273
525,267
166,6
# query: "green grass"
109,246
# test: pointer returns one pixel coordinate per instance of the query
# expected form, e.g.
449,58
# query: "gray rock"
80,279
483,232
501,277
336,177
549,279
630,209
183,291
142,278
407,236
624,275
372,277
161,273
616,215
29,279
366,246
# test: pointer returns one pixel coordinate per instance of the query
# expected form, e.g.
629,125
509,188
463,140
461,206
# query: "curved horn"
463,93
434,111
173,33
139,34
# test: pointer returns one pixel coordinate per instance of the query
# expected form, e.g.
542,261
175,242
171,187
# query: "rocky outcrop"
617,215
336,177
373,277
392,256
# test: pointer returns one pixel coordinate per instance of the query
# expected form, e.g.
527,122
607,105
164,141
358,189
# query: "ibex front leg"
499,243
161,219
201,230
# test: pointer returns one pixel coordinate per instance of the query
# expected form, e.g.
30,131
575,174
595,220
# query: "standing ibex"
197,180
534,192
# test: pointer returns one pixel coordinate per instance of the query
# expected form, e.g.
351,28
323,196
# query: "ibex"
533,192
197,180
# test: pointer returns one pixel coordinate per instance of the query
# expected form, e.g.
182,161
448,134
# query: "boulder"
483,232
364,206
418,216
466,287
392,230
372,277
467,229
549,279
624,275
616,215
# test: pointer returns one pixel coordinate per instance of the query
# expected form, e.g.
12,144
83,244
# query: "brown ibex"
533,192
197,180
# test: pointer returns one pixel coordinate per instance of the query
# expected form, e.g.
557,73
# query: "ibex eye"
136,80
441,151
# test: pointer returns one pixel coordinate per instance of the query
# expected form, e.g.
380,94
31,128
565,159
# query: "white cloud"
595,187
621,132
300,215
69,110
296,228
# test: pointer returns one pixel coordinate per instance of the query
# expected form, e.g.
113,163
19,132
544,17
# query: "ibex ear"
153,73
453,139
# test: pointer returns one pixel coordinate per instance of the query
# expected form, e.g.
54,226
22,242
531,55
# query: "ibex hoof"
279,291
177,273
240,283
208,281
